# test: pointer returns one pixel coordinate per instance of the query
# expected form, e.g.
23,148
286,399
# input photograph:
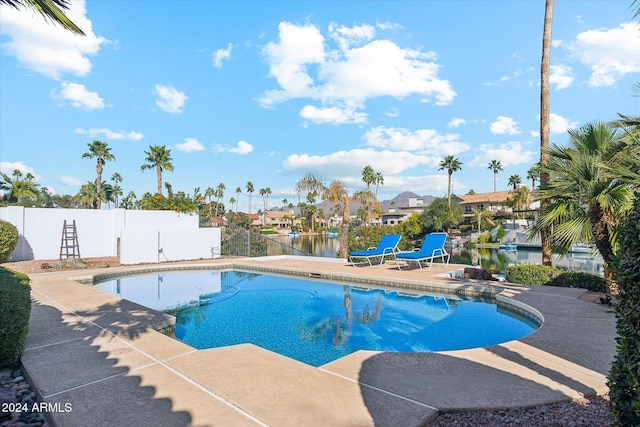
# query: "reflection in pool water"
314,322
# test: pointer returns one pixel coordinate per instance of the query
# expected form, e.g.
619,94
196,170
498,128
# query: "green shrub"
500,233
579,279
484,238
8,240
624,378
536,275
15,309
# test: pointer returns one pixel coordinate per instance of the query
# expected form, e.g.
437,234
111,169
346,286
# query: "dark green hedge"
15,309
539,275
624,378
8,240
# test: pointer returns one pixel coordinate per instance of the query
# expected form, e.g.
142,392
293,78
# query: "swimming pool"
312,321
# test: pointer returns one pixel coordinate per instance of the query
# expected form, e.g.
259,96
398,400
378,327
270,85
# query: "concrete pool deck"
97,360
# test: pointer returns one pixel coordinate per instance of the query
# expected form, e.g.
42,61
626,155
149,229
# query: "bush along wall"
8,240
624,378
15,309
539,275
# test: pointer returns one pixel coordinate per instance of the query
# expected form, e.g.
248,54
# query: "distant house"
278,219
397,214
255,220
218,221
496,202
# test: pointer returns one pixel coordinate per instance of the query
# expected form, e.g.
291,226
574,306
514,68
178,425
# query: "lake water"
490,259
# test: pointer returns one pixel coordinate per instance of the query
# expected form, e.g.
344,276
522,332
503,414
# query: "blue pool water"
314,322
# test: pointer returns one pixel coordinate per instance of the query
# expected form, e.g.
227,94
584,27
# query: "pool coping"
374,388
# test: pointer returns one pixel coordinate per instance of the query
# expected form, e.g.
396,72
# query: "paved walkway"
99,358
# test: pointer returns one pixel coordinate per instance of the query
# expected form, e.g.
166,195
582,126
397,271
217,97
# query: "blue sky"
269,91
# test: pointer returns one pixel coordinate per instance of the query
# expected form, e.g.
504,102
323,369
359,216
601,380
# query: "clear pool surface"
311,321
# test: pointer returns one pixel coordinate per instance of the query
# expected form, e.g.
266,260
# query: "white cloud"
456,122
504,125
170,99
241,148
559,124
110,135
425,141
609,53
505,78
79,96
333,115
344,163
360,68
189,145
9,167
222,55
47,48
509,154
561,76
70,181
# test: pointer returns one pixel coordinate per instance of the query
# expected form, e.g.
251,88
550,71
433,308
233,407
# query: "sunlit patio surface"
102,359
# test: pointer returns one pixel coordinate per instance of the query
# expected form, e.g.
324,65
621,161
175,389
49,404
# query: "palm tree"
514,180
314,187
158,157
534,174
495,166
238,191
585,197
249,190
117,191
18,187
338,193
545,128
101,151
483,216
369,177
379,182
52,10
231,202
219,193
519,199
451,164
208,193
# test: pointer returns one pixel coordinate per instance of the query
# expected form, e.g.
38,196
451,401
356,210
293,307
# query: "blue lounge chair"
388,246
432,247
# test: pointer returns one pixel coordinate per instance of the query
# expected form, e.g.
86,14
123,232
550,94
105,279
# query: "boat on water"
508,247
581,248
293,234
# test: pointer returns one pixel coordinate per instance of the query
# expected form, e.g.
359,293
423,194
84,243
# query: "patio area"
104,356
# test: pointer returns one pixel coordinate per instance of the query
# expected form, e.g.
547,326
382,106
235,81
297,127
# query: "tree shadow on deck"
76,364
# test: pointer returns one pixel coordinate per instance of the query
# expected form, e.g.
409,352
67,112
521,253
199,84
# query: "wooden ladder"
69,247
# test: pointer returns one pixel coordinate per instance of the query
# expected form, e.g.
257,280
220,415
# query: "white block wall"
100,232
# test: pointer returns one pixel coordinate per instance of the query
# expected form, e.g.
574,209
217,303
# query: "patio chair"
432,247
388,246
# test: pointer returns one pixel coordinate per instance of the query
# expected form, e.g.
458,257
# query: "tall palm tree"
238,191
208,193
534,174
249,190
545,128
451,164
117,191
52,10
514,180
495,166
338,193
379,182
369,177
586,198
158,158
219,193
18,186
101,151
